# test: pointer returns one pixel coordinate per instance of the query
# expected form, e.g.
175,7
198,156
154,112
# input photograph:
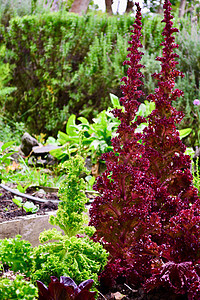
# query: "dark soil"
9,210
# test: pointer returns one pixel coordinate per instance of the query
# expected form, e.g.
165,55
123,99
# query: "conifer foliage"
147,214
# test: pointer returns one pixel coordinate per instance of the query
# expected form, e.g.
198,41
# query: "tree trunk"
79,6
129,6
109,7
182,8
160,8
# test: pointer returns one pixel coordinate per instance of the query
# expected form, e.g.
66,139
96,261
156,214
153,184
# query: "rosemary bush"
68,64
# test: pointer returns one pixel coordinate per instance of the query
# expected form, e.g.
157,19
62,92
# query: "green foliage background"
62,63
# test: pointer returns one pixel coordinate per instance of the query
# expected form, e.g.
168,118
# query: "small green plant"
73,141
21,188
70,217
95,138
28,206
17,254
19,288
10,130
26,176
89,182
101,131
77,257
5,157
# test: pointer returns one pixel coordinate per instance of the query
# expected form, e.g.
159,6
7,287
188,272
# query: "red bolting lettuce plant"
147,214
176,201
121,214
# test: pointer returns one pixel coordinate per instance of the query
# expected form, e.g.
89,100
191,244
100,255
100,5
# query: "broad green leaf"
111,127
142,110
103,146
6,145
152,106
103,121
115,101
69,127
90,179
84,121
141,127
6,157
62,137
18,201
95,144
184,132
81,128
52,141
30,207
59,153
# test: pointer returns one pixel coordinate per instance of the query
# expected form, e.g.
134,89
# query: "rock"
88,163
29,227
117,296
43,150
42,162
42,155
28,142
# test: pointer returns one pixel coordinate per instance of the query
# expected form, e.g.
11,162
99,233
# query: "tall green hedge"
63,63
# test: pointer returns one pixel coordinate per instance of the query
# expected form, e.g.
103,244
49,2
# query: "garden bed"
9,210
15,220
29,227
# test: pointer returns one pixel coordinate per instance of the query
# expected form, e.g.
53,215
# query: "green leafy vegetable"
17,289
17,254
27,206
70,217
77,257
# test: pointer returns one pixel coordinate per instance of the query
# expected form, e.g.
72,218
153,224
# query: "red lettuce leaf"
66,289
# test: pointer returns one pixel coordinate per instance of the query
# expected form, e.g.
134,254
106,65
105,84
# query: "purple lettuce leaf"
66,289
61,292
44,292
180,278
86,285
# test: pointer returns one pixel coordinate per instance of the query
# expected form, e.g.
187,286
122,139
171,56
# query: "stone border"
29,227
